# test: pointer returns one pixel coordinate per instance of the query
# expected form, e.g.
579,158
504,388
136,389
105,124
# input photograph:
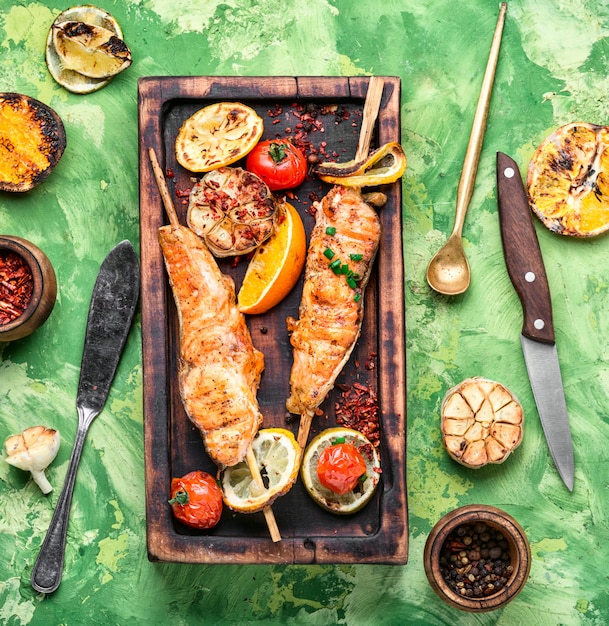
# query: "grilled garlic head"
482,422
34,450
233,210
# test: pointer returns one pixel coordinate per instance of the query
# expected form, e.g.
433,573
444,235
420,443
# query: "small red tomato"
340,467
279,163
196,499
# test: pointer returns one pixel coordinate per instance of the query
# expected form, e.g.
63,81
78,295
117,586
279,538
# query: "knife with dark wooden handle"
111,311
527,272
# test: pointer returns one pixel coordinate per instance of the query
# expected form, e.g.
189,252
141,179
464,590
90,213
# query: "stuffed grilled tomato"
279,163
196,500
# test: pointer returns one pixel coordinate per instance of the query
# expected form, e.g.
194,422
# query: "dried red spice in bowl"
28,288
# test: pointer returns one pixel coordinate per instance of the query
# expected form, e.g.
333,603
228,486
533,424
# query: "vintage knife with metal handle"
527,273
111,311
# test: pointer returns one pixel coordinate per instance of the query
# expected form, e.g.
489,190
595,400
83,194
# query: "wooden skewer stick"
371,111
175,222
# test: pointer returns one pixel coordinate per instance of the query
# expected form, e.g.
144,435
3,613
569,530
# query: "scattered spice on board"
357,407
16,286
475,560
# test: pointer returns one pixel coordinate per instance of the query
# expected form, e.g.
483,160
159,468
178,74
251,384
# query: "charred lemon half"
481,422
32,140
217,135
568,180
85,49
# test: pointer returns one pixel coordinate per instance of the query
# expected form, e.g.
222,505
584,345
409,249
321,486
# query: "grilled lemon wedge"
58,60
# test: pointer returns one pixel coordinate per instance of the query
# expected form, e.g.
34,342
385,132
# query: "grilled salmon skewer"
219,367
346,234
343,244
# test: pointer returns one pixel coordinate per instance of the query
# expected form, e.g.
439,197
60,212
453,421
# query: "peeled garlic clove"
482,422
34,450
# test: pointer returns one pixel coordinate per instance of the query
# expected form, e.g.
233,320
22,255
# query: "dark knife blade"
111,311
527,272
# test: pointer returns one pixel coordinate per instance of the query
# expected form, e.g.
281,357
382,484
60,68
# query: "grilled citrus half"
233,210
355,499
481,422
278,457
217,135
76,81
568,180
32,140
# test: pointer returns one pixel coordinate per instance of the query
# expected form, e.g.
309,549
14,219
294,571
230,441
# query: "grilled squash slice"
32,140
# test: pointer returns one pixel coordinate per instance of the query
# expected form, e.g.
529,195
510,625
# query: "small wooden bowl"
518,549
44,293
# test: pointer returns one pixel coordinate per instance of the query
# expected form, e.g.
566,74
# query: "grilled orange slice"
276,265
32,140
481,422
568,180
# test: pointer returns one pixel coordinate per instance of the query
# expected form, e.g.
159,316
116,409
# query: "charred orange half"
32,140
568,180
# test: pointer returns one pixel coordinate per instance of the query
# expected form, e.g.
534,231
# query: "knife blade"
111,312
527,272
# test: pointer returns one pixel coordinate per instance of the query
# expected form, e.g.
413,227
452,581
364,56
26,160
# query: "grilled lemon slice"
568,180
90,50
278,456
481,422
354,500
217,135
75,81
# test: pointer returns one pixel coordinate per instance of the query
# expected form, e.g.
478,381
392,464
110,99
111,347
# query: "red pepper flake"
170,173
183,193
357,408
16,286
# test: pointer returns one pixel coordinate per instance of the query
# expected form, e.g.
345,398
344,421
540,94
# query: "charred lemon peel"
383,166
90,50
481,421
71,54
568,180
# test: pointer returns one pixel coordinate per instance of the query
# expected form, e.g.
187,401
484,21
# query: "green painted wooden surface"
552,70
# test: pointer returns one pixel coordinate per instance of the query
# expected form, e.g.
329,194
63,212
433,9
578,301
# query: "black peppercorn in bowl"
28,288
477,558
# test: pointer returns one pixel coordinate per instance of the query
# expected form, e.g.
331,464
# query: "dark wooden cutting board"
379,532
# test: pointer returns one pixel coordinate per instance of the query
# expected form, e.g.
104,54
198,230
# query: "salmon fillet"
331,311
219,369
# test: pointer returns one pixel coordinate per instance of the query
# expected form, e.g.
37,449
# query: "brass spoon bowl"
448,271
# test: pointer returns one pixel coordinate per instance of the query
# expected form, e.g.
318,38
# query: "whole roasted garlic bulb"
481,422
34,450
233,210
